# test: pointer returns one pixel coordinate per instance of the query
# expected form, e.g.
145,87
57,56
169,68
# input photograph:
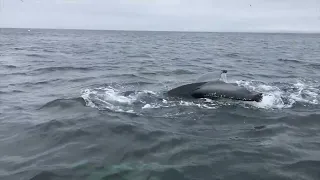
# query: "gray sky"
176,15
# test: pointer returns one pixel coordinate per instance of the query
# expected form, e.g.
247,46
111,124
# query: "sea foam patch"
275,96
285,95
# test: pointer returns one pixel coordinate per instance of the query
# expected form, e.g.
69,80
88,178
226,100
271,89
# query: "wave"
163,146
13,91
42,61
148,73
81,79
299,120
47,50
139,56
290,60
18,48
48,126
10,66
45,82
306,168
125,75
67,136
272,76
167,73
139,83
36,55
140,170
134,78
15,74
30,84
47,175
61,131
314,65
232,55
150,136
182,71
271,130
61,68
124,128
304,163
64,103
140,135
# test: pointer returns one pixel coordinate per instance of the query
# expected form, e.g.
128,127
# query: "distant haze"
164,15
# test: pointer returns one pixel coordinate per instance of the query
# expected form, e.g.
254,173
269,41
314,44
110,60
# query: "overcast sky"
176,15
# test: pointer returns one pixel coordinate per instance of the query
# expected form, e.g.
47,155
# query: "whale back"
185,90
214,90
220,89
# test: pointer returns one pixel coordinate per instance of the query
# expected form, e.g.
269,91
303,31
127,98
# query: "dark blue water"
65,114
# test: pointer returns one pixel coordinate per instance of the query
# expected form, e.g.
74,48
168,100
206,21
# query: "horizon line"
177,31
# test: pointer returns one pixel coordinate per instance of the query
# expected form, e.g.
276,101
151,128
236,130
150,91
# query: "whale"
215,90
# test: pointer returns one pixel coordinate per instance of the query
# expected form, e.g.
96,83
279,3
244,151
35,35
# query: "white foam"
271,101
149,92
208,100
153,106
108,99
112,99
268,88
147,106
113,95
208,107
198,104
305,93
86,96
273,96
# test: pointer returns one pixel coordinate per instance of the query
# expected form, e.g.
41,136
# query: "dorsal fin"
223,76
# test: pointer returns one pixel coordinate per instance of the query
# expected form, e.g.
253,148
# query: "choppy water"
65,113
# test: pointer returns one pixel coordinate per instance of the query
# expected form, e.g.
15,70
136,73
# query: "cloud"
176,15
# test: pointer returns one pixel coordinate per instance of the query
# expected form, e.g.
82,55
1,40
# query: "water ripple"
93,105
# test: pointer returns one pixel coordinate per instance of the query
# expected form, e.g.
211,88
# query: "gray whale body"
215,90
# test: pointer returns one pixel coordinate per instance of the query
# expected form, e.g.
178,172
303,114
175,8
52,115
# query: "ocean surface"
92,105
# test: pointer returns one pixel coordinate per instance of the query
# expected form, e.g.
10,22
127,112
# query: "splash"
111,98
305,93
275,96
285,95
